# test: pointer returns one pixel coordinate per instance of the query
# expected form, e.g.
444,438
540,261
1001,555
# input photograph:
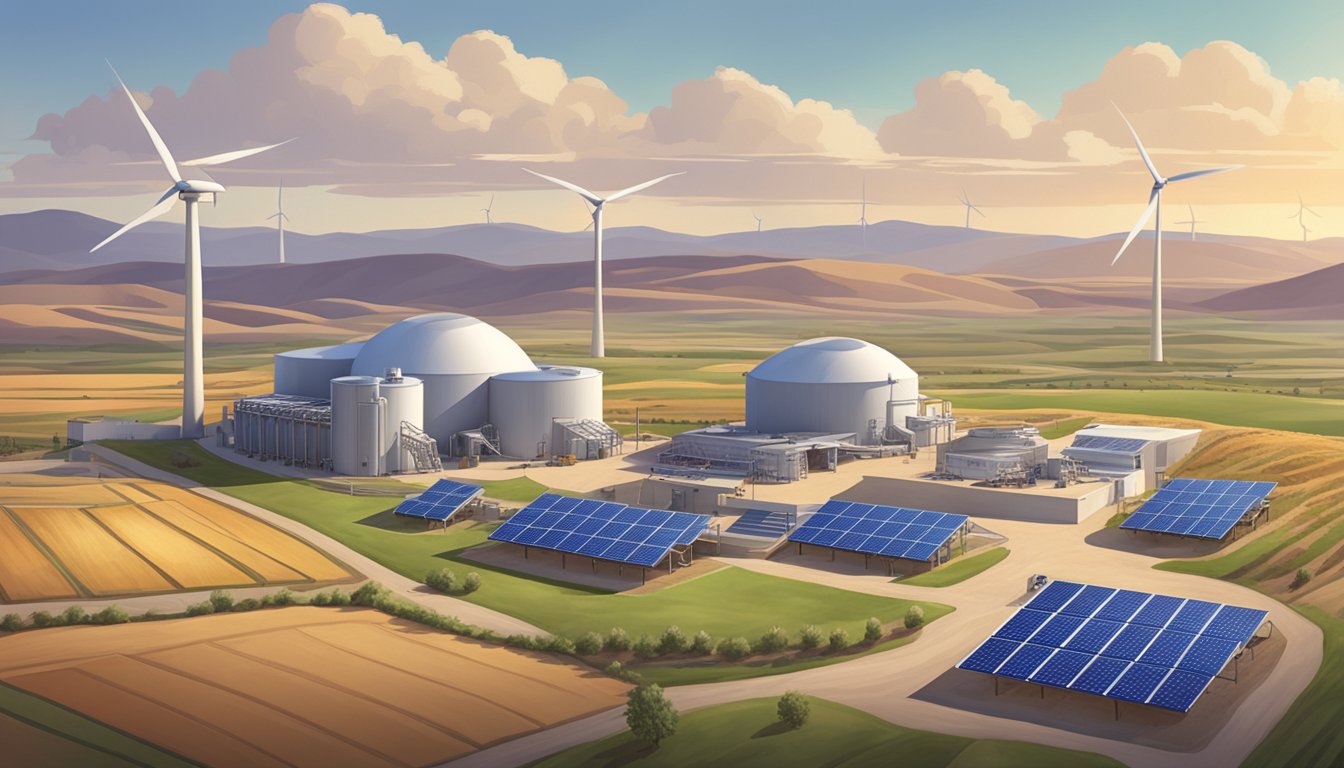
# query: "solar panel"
1206,509
603,530
874,529
1133,646
440,502
1109,444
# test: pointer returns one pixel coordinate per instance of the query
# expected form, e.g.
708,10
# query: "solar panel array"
1111,444
601,529
1118,643
1207,509
444,499
874,529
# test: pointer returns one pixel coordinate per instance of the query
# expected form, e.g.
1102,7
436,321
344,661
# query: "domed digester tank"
525,404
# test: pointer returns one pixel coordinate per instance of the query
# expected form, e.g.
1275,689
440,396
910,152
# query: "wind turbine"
1301,209
599,203
1192,221
280,219
1154,211
189,191
486,210
863,209
759,221
966,201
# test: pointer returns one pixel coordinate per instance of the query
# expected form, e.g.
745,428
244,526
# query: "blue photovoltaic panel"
604,530
1109,444
1206,509
1128,645
440,502
874,529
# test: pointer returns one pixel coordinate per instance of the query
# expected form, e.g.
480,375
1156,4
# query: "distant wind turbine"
280,219
486,210
966,201
1154,211
1301,222
599,203
1192,221
758,222
189,192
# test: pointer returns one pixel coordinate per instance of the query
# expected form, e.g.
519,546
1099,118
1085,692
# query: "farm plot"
303,686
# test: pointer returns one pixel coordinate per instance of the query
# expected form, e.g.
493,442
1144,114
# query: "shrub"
774,640
702,644
321,599
618,640
809,637
471,583
221,600
370,593
337,597
526,642
839,639
12,622
650,715
74,615
645,648
735,648
112,614
673,640
872,631
200,609
557,644
588,644
615,669
793,709
283,597
914,617
183,460
444,580
1300,580
44,619
150,615
247,604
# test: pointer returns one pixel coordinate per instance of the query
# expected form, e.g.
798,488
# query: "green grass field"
747,734
958,570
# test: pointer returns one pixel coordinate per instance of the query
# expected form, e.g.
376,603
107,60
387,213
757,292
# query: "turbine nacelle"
193,186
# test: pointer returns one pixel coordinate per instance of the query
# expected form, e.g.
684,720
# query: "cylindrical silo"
405,397
308,372
357,418
833,386
524,404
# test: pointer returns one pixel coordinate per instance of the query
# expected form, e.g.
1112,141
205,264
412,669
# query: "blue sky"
866,56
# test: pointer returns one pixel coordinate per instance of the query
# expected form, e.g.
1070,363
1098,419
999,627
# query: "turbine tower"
759,220
486,210
280,219
189,191
966,201
599,337
1192,221
1301,209
1154,211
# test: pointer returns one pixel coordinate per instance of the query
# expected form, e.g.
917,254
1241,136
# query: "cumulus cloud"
960,111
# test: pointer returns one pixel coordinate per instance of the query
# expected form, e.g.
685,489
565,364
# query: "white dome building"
831,385
455,356
308,372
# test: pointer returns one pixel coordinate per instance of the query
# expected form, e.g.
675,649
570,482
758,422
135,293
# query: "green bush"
809,637
793,709
12,622
337,597
557,644
471,583
74,615
650,715
321,599
281,598
588,644
702,644
914,617
645,648
443,579
44,619
200,609
112,614
618,640
247,604
773,641
526,642
872,631
673,640
734,648
839,639
221,600
615,669
1300,580
183,460
370,593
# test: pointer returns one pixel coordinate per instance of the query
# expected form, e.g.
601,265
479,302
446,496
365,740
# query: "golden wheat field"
127,537
303,687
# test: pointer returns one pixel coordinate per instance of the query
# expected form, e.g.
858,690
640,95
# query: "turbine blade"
1143,153
237,154
639,187
164,155
1138,225
589,196
977,210
1202,172
164,205
273,216
1308,210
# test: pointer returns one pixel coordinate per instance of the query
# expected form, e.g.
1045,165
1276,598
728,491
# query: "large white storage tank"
524,405
832,385
405,398
356,426
308,372
455,356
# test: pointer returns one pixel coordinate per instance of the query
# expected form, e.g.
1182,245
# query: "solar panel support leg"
643,576
524,553
1042,693
1117,708
996,685
562,562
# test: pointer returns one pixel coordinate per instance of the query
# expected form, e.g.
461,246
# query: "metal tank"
833,386
308,372
357,416
525,404
405,404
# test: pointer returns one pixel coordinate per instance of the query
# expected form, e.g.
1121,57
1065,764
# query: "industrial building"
998,455
430,385
813,405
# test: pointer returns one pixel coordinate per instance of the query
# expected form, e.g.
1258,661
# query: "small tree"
914,617
74,615
443,579
793,709
370,593
673,640
112,614
650,715
221,601
774,640
702,644
1301,579
809,637
43,619
618,640
471,583
588,644
872,631
12,622
839,640
645,648
735,648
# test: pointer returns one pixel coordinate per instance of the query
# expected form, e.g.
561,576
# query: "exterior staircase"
424,449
